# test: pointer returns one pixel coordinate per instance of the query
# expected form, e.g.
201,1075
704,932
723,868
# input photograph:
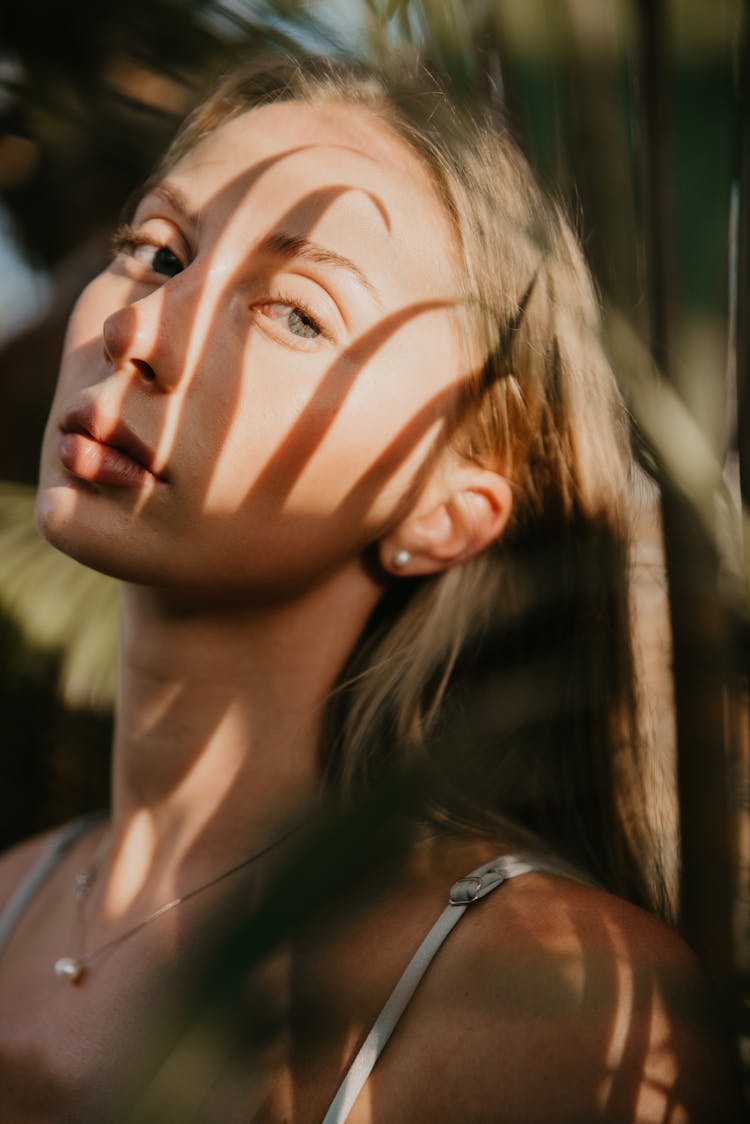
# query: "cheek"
397,413
360,444
252,413
82,354
90,311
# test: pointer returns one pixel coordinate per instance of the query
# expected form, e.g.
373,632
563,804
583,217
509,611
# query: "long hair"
512,672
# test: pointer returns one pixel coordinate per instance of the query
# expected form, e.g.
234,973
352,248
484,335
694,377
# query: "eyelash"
127,237
297,305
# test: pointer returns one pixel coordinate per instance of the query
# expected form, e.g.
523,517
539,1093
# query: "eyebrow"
173,195
287,246
279,243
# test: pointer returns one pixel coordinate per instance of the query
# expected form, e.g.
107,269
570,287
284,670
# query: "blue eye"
147,251
300,324
293,317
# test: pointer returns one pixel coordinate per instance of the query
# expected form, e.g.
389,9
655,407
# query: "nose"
134,341
125,344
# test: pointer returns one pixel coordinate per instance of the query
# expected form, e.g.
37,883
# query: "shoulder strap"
464,893
40,872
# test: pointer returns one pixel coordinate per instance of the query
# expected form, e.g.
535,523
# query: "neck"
218,724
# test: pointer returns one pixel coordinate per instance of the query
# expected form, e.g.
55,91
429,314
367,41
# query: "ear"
460,512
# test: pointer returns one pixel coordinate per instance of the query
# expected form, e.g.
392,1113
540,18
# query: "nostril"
144,369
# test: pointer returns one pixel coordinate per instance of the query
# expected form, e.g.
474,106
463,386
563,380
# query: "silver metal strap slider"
475,886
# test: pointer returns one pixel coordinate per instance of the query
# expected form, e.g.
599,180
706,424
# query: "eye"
147,250
295,317
302,325
160,259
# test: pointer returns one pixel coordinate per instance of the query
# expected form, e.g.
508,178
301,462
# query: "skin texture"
255,424
295,428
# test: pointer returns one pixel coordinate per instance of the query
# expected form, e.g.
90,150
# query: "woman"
337,403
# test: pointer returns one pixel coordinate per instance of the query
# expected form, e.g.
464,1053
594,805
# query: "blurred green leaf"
682,449
58,604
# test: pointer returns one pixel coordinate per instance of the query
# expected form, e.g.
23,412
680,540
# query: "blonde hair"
544,610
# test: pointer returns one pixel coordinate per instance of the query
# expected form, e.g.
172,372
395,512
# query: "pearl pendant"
68,969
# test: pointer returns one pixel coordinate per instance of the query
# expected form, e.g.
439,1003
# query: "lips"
105,452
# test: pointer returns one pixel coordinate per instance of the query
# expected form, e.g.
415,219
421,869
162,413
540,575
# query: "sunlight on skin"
572,970
625,990
660,1075
150,717
350,225
135,855
659,1068
290,455
135,851
281,458
247,418
220,764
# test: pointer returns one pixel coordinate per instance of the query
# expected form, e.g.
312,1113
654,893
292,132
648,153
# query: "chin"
54,510
72,518
61,519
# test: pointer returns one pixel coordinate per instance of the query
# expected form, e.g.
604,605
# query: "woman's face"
249,393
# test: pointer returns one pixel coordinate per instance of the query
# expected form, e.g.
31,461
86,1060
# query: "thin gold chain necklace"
72,969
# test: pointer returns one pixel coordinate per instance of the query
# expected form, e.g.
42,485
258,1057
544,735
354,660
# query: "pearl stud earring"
401,558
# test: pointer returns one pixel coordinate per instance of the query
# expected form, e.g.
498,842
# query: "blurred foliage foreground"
636,113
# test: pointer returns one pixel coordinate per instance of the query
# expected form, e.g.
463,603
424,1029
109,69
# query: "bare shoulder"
569,1004
19,860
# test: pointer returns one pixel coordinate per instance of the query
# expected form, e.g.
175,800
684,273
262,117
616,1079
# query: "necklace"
72,969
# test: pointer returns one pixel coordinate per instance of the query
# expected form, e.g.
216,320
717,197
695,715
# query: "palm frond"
58,605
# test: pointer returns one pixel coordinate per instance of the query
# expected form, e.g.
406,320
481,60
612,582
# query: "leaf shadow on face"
181,304
206,1023
179,352
140,398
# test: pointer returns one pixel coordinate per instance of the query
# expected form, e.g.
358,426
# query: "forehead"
331,170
